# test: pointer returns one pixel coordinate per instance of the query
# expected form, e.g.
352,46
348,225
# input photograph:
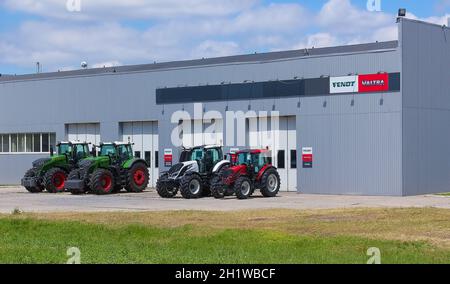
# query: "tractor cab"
205,156
255,160
74,151
116,151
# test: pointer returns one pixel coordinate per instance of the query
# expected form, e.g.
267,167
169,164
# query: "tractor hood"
180,169
42,162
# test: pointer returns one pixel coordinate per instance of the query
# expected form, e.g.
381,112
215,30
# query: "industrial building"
367,119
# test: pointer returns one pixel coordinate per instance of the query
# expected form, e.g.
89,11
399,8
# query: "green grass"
28,240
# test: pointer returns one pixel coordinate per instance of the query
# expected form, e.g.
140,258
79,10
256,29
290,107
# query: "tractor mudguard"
263,170
220,165
129,163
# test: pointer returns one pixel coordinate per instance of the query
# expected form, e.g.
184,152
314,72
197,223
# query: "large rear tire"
137,178
76,175
31,173
191,186
102,182
165,188
243,188
54,180
270,183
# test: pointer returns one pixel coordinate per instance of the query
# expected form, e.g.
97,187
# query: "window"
280,158
156,159
137,154
293,159
45,143
14,143
20,143
36,143
5,143
148,158
27,142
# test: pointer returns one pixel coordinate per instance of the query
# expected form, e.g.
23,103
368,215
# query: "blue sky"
109,32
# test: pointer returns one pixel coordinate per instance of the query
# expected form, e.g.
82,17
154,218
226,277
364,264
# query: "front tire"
270,183
54,180
102,182
243,188
137,178
165,188
31,173
191,186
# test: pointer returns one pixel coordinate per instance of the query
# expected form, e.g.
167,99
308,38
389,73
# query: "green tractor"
113,169
51,173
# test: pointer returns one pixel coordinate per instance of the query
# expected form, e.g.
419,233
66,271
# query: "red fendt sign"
374,83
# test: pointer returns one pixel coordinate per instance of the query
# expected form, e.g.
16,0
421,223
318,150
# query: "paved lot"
17,197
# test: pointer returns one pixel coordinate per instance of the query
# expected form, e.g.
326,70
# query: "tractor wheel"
217,187
76,175
29,174
137,178
102,182
243,188
166,189
270,183
191,186
54,180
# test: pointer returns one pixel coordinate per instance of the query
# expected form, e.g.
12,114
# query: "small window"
148,158
37,143
156,159
293,159
45,143
5,142
21,143
280,158
14,143
137,154
53,140
29,143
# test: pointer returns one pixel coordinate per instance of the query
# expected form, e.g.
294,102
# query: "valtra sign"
373,83
359,84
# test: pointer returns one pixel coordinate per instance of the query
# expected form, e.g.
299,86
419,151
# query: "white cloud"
175,29
134,9
211,48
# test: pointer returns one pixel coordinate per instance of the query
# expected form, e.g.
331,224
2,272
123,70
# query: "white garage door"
198,132
84,132
144,135
282,143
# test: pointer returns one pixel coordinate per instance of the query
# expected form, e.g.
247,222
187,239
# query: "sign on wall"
373,83
168,157
307,157
346,84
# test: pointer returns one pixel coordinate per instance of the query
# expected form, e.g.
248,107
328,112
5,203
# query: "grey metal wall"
357,148
426,107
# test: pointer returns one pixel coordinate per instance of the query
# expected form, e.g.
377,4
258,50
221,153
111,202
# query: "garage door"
198,132
283,144
84,132
144,135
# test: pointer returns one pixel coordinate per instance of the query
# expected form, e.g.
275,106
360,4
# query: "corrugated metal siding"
426,103
356,147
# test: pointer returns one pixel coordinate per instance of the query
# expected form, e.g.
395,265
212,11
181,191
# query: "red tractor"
251,170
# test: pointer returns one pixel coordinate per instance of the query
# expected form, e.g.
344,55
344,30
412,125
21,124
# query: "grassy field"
269,236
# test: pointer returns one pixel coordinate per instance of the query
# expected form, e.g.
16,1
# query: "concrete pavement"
17,197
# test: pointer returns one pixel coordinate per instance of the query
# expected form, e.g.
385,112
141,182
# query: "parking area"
17,197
